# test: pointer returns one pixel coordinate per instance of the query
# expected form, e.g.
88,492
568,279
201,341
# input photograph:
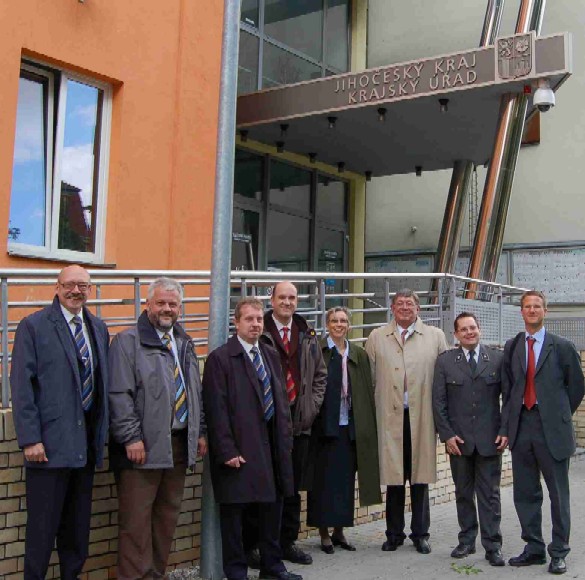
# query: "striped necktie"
267,400
87,392
290,383
181,411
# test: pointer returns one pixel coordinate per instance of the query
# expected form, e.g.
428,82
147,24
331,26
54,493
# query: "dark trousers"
530,458
231,518
478,476
396,497
149,506
58,504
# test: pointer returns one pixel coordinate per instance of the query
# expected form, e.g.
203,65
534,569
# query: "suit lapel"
461,362
482,363
253,376
520,351
66,339
547,347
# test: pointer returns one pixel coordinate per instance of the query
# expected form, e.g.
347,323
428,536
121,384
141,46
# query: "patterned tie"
290,384
530,389
404,334
268,402
181,411
87,393
472,362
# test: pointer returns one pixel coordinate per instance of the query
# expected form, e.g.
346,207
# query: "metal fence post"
387,300
501,321
4,323
137,303
322,299
98,296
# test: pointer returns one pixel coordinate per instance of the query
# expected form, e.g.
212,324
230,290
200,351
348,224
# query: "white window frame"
54,152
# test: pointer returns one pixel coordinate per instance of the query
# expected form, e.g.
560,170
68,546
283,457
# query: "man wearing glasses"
402,356
59,381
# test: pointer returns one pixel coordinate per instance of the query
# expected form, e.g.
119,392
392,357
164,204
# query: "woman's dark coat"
364,416
234,412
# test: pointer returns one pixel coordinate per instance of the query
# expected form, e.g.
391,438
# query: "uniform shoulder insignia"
311,332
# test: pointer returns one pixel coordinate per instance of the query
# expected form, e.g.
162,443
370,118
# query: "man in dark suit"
250,440
543,378
466,408
59,382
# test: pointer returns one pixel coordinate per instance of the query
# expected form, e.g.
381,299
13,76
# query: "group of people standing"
281,411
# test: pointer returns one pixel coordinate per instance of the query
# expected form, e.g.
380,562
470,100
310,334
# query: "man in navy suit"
59,384
542,376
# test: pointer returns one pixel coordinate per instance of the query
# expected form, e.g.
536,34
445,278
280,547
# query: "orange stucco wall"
163,60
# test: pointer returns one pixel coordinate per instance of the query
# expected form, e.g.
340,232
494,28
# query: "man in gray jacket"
157,429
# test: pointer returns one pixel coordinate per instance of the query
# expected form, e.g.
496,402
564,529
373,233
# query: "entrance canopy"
393,119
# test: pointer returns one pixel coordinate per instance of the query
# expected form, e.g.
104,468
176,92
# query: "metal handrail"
119,311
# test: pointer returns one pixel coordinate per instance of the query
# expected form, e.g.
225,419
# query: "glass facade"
287,218
289,41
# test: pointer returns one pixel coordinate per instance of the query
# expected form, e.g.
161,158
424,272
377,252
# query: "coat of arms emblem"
515,56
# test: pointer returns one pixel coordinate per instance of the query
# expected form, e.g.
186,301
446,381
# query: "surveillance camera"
544,97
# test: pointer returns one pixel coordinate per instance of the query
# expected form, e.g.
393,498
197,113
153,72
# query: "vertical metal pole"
137,303
387,300
211,561
501,321
98,296
440,283
322,299
448,248
4,323
500,177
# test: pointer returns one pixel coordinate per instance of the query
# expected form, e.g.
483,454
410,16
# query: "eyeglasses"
83,286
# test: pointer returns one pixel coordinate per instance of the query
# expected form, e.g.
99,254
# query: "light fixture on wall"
283,129
381,114
341,167
332,121
312,157
418,170
368,176
280,146
244,135
444,105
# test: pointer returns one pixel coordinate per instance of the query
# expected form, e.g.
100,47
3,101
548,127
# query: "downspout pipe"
211,558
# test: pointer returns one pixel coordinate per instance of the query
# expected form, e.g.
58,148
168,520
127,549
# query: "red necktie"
530,389
403,334
290,384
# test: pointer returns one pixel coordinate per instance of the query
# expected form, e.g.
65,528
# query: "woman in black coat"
344,438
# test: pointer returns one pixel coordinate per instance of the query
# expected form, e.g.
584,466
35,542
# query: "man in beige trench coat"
403,355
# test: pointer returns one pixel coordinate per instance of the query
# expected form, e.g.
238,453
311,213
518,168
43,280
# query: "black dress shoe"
422,546
526,559
253,559
343,544
495,558
463,550
284,575
391,545
557,565
327,548
295,555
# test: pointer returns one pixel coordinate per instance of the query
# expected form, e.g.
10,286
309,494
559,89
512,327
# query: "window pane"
245,239
296,23
331,199
336,34
290,186
283,68
248,63
248,175
287,242
330,252
79,167
249,13
29,179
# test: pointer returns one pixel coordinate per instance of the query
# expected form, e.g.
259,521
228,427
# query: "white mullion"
58,152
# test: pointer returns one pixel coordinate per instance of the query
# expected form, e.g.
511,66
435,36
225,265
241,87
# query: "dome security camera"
544,97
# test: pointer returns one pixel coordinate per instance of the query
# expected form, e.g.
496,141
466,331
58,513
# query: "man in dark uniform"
250,439
542,374
466,408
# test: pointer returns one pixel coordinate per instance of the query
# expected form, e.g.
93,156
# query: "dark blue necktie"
268,402
472,362
86,378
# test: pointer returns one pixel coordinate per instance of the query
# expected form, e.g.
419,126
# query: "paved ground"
370,563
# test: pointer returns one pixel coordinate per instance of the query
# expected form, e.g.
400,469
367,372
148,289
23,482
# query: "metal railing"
119,296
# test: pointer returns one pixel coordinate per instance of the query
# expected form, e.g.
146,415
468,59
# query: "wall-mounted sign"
244,238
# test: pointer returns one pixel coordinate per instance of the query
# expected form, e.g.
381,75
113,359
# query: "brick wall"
101,563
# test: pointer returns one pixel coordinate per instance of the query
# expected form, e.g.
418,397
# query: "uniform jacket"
559,390
364,419
46,388
389,359
313,370
236,426
467,403
142,395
